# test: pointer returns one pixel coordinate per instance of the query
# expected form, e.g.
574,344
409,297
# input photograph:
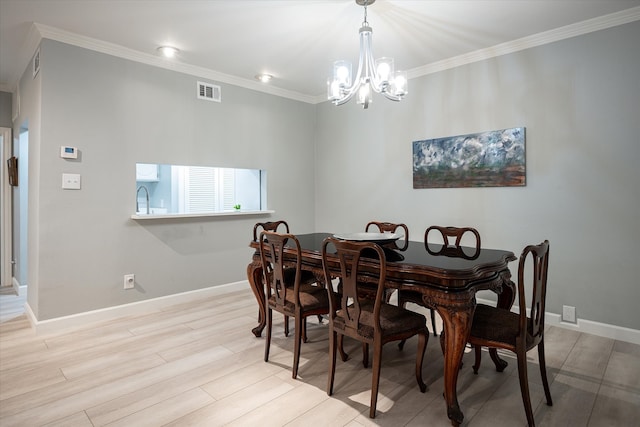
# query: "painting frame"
494,158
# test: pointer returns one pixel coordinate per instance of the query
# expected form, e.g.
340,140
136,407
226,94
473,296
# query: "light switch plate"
71,181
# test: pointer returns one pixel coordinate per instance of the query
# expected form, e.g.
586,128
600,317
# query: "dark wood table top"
419,262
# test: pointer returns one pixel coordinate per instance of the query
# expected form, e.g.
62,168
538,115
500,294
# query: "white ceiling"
294,40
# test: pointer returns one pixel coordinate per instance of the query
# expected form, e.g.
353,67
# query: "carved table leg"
254,275
507,296
457,323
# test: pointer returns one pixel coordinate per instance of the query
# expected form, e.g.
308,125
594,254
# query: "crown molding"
40,31
51,33
551,36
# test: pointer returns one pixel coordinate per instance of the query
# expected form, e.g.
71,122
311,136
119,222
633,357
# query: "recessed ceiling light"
168,51
264,78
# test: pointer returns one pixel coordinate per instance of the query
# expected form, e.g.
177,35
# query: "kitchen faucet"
142,187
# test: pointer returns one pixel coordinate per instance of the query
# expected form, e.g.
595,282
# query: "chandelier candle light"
378,75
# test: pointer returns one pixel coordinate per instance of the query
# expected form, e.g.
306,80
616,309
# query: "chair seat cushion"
495,324
311,298
393,320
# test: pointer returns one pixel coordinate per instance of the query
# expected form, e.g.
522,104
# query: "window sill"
199,215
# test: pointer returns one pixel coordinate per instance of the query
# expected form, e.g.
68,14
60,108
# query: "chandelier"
378,76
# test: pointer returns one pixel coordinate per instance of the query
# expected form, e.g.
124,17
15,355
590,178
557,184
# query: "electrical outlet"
129,281
568,314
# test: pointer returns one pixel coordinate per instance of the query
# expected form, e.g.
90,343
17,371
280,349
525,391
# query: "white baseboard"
20,290
596,328
588,326
81,320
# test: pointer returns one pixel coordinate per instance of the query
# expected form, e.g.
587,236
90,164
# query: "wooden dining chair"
500,328
452,240
372,322
292,299
307,276
390,227
451,245
387,227
269,226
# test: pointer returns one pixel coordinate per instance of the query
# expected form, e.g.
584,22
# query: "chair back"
272,255
452,241
391,228
352,276
534,260
268,226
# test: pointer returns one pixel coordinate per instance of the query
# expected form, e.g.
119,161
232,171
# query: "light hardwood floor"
199,364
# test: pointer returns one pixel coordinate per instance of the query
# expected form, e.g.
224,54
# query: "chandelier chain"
365,22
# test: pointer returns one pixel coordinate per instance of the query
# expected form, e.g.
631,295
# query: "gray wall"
5,110
117,113
579,100
334,168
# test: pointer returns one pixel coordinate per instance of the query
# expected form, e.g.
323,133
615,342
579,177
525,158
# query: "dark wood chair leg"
365,354
500,364
296,346
543,372
332,362
493,352
375,380
401,303
286,326
478,359
267,342
344,356
304,330
524,386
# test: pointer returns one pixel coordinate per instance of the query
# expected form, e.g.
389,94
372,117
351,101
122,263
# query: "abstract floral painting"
487,159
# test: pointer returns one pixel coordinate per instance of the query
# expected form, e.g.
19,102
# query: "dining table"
447,279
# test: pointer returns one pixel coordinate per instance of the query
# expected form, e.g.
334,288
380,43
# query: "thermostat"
68,152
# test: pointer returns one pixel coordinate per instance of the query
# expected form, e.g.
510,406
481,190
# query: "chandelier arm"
357,81
345,99
374,79
392,97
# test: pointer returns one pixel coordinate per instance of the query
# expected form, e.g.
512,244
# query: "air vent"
209,92
36,63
